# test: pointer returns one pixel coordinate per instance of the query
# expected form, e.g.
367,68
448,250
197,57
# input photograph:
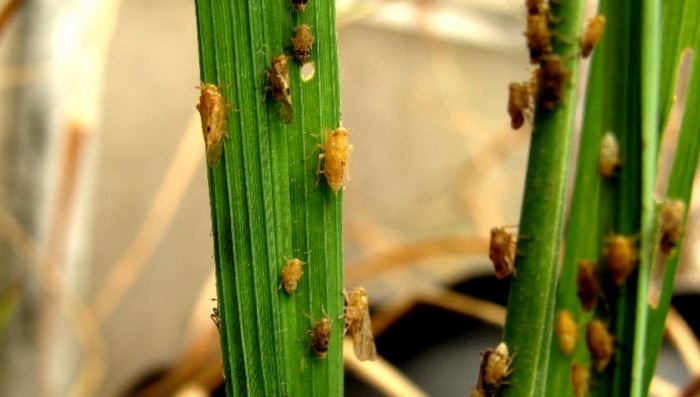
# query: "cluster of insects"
620,256
493,371
357,322
213,108
278,75
549,81
332,164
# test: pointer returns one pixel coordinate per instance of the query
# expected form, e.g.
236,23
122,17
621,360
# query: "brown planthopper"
566,330
553,79
579,379
359,324
588,284
670,224
609,158
519,104
335,156
320,335
600,344
502,251
621,256
291,273
302,43
497,366
278,86
213,110
539,37
299,5
592,34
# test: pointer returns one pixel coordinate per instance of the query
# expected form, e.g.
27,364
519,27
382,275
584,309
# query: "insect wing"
214,150
284,110
363,339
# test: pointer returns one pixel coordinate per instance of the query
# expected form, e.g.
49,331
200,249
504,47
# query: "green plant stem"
529,320
263,201
650,69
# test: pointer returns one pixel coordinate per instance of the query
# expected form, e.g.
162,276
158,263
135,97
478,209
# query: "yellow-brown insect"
359,323
566,330
519,106
670,224
497,366
553,79
335,158
214,112
291,273
302,43
502,251
579,379
588,285
536,6
592,34
600,344
609,159
320,335
300,5
539,37
621,256
278,79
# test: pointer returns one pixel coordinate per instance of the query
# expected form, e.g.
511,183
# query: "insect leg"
318,168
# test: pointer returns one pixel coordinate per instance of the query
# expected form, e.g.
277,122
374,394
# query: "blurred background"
106,266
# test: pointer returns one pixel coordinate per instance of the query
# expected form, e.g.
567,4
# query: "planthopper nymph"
302,43
335,156
320,335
